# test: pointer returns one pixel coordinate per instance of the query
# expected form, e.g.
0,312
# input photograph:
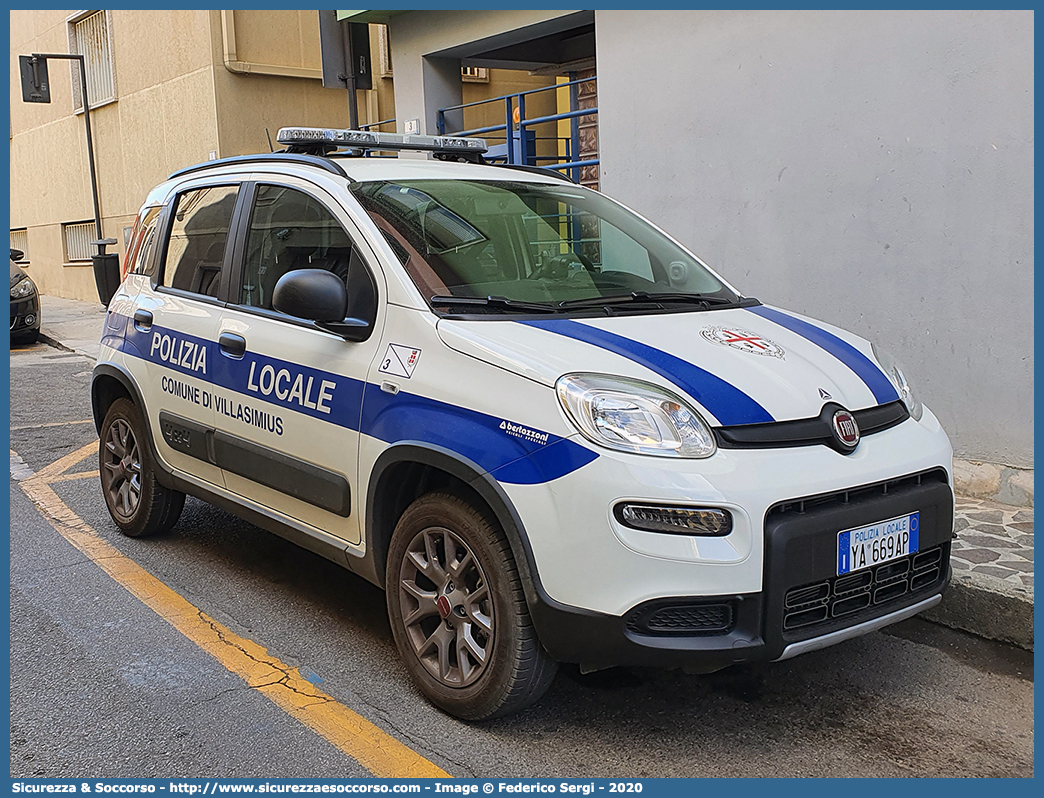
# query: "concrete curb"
993,482
50,340
988,608
71,325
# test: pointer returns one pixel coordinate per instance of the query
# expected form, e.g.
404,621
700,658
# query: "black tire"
515,671
138,504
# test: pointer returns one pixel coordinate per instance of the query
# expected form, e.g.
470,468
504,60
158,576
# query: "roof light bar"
305,136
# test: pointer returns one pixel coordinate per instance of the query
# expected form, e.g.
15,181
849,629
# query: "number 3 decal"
400,360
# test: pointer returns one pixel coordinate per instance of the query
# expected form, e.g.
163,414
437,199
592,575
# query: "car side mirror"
320,297
17,254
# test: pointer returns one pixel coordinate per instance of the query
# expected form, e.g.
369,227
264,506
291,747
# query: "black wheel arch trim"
122,377
568,634
163,473
427,454
479,480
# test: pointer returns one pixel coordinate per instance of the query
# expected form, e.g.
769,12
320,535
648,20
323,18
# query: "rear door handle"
143,319
232,345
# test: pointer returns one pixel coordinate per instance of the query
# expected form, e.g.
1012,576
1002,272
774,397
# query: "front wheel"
138,504
459,614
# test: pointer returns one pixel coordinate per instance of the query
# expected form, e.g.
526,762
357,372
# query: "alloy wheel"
122,463
447,609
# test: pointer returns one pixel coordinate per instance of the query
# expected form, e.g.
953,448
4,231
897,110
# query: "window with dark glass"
292,230
199,233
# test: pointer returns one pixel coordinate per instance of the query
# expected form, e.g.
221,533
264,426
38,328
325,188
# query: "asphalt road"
101,685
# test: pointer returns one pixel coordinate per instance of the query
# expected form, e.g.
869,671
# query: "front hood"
740,366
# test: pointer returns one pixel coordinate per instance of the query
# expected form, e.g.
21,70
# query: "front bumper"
25,315
803,604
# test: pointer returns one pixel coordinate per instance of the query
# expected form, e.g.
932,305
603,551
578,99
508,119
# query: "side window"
196,250
143,242
292,230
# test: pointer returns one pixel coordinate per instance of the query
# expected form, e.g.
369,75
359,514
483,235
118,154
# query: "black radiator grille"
821,602
801,506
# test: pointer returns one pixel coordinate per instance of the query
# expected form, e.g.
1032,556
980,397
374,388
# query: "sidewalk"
992,590
72,324
991,593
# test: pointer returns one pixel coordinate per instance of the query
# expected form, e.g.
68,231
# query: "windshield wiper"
494,302
644,296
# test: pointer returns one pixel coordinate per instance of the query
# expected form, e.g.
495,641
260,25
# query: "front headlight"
634,416
22,289
897,375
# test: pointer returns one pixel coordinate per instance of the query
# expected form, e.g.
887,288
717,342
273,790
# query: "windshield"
530,243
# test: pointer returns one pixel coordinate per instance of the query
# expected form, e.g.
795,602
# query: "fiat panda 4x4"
547,429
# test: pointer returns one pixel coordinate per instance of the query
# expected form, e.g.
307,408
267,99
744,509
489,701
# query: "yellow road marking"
47,473
283,685
52,424
68,477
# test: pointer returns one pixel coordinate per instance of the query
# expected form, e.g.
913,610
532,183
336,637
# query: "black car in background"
25,304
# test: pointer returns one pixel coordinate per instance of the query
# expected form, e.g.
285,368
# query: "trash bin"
106,270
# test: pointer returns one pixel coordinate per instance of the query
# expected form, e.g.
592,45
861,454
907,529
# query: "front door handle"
143,319
232,345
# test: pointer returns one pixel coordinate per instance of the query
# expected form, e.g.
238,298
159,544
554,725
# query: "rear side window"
293,230
143,242
198,235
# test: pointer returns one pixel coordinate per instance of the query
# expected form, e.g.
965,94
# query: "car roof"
365,169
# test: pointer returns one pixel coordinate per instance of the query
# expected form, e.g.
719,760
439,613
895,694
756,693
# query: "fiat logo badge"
846,431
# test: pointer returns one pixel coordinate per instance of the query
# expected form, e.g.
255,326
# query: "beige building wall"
190,85
272,80
380,102
136,136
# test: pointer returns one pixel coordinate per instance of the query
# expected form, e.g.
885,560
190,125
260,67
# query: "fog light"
30,318
675,520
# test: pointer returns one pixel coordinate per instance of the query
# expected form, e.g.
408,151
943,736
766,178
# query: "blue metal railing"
376,124
515,138
367,127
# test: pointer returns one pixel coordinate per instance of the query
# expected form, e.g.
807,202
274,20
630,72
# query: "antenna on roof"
270,147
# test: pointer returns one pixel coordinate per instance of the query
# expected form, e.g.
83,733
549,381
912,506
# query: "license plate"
872,545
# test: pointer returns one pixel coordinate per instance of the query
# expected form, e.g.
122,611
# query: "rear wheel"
459,614
138,504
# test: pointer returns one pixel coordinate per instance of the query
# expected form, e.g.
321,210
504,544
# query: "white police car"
543,426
